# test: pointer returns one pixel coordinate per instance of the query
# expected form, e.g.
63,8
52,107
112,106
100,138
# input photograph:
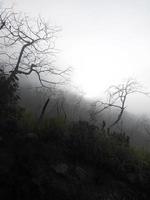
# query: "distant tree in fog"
28,46
117,97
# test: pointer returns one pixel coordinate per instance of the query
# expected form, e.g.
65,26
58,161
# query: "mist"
74,99
103,42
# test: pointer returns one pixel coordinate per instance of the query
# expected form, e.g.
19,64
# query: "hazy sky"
105,41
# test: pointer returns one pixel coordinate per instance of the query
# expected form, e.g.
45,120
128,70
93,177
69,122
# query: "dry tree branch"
117,96
29,46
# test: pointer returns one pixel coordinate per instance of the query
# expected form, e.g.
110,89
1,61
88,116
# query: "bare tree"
117,96
28,46
43,109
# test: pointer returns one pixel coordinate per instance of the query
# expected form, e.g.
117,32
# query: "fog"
74,99
104,42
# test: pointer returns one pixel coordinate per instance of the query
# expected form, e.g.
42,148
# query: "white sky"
105,41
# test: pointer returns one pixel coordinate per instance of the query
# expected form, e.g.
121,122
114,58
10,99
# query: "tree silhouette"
28,46
117,96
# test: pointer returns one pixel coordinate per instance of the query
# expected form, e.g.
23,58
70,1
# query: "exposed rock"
61,168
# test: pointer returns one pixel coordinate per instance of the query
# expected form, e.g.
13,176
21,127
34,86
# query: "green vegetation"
64,160
54,155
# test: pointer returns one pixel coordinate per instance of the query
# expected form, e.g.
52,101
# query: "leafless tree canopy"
117,96
27,46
